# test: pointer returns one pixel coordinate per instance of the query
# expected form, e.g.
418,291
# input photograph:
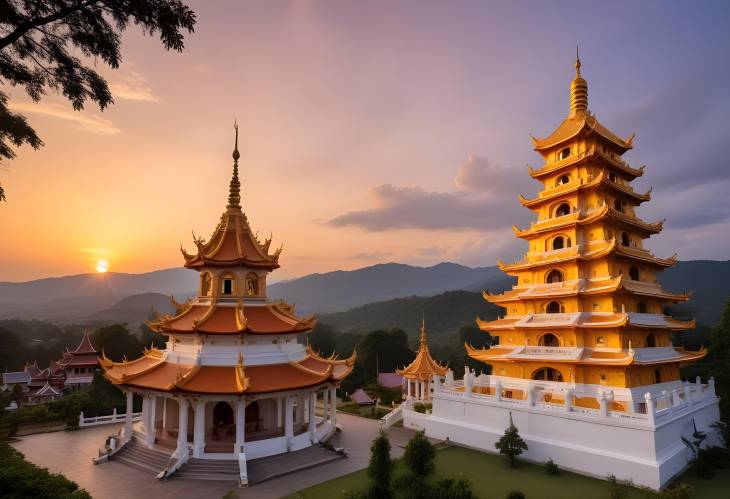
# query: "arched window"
641,307
625,239
549,340
206,281
618,204
657,375
227,284
547,374
564,153
562,210
554,276
612,176
558,242
553,308
650,340
562,180
252,284
634,274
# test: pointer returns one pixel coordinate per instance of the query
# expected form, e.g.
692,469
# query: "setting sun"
102,266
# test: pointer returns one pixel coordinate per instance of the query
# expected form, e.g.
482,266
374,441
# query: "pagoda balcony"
549,168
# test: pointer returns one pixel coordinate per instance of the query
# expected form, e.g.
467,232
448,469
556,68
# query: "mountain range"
381,295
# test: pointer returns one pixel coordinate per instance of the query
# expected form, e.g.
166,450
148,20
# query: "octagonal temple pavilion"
234,382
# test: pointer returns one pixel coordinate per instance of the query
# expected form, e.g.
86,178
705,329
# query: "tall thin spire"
423,332
578,89
234,188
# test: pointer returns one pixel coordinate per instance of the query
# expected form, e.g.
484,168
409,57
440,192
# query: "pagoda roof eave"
571,161
574,125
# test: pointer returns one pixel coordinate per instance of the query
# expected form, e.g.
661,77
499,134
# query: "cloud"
132,86
485,199
83,120
372,255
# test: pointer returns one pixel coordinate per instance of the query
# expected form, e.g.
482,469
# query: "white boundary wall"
648,450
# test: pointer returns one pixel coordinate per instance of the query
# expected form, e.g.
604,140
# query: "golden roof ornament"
578,89
234,189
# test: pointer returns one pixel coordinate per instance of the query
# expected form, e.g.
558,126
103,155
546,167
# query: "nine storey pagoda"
587,309
233,382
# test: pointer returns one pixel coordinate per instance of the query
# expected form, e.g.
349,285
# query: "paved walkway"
70,453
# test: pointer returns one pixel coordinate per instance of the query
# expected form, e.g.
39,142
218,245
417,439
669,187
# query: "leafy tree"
383,351
117,342
40,39
720,361
12,353
380,469
150,338
17,394
551,467
419,455
454,488
511,443
618,489
323,339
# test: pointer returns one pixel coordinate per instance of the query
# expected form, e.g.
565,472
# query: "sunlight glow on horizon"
102,266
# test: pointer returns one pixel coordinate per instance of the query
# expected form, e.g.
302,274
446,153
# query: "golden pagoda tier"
236,380
587,307
418,374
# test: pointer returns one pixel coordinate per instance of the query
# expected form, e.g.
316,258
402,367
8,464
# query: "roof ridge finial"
234,188
578,89
423,331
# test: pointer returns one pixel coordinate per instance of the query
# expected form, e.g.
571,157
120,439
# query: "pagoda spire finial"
234,188
578,89
423,332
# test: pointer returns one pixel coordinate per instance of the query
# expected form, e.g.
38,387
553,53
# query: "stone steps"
204,469
140,457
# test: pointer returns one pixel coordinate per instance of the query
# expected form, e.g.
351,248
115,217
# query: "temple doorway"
222,414
549,340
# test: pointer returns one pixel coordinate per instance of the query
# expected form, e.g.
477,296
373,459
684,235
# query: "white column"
568,400
128,417
153,416
278,412
182,429
603,404
325,395
289,421
199,429
312,420
149,432
650,409
164,414
240,426
333,405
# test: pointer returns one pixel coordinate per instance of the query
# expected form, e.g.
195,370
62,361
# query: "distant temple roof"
361,398
390,380
423,366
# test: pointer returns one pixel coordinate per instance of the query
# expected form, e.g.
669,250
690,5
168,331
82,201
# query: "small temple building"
80,364
418,375
233,383
585,363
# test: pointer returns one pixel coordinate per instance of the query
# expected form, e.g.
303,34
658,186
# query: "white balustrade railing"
652,408
114,417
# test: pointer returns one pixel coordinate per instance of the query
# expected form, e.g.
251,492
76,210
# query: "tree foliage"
720,361
380,469
55,44
419,455
511,444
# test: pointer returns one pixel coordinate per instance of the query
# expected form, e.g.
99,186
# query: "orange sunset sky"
369,132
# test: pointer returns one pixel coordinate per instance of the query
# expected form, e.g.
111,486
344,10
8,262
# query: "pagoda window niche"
625,239
564,153
559,242
227,284
618,205
554,307
562,210
641,307
252,284
650,340
634,274
657,375
562,180
548,340
206,284
554,276
547,374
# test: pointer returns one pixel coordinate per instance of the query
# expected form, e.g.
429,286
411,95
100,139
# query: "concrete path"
70,453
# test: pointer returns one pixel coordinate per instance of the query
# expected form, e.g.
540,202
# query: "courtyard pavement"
70,453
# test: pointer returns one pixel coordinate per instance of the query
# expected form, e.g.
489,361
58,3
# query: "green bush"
515,494
22,479
551,467
419,407
618,489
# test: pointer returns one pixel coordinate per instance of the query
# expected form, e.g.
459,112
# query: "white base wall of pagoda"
645,448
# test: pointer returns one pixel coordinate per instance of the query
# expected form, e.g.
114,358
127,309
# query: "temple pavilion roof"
585,320
152,371
225,318
423,366
233,242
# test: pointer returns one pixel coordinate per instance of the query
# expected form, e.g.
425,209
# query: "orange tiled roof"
151,371
423,366
220,318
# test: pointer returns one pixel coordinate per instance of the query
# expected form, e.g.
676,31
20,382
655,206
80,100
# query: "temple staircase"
139,456
205,469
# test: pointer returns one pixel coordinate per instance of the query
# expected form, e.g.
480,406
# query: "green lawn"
492,479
